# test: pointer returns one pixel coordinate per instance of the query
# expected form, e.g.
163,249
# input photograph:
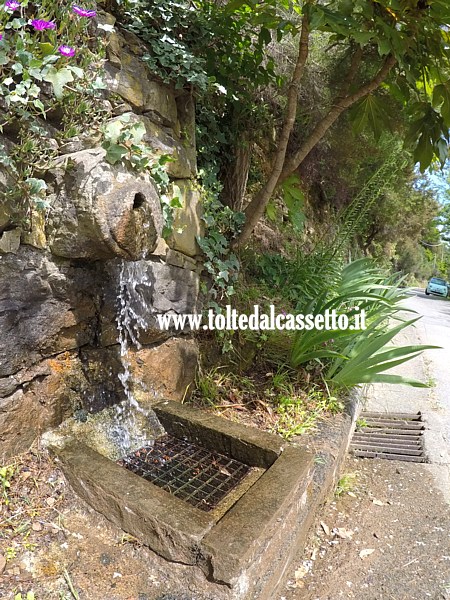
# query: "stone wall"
59,353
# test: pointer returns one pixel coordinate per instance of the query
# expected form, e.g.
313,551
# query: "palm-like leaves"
359,356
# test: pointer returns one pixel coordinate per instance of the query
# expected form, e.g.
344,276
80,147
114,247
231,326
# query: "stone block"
245,444
168,525
36,237
101,210
184,163
245,534
163,371
45,308
167,289
37,399
163,140
101,368
10,241
242,548
133,82
188,224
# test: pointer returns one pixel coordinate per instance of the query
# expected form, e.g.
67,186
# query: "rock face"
47,307
165,369
60,282
101,211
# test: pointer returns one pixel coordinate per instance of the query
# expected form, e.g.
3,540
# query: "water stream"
133,312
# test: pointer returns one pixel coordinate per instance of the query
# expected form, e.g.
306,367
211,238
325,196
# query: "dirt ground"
386,537
53,547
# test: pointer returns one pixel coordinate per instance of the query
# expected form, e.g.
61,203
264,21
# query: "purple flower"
66,50
1,37
12,4
82,12
41,24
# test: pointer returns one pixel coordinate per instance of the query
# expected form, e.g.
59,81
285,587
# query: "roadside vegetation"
314,121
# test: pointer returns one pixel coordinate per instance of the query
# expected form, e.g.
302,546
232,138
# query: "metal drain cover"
391,436
189,471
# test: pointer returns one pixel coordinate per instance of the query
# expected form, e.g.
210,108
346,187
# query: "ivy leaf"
137,132
115,152
58,78
38,104
112,130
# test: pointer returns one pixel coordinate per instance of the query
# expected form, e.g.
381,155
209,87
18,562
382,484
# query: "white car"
436,286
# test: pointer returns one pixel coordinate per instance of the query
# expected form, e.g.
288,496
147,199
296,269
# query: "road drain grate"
190,472
391,436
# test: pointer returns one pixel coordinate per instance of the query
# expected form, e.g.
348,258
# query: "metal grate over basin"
391,436
191,472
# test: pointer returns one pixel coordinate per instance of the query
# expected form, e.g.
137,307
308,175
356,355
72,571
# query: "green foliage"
123,142
369,112
416,36
297,416
6,474
34,81
29,596
222,225
359,356
294,199
345,484
171,30
304,276
169,195
204,43
221,51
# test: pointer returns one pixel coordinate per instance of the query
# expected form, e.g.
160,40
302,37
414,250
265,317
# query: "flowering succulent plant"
12,5
82,12
66,51
41,24
46,48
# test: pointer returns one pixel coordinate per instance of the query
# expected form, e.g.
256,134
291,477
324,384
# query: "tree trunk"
341,105
256,207
236,176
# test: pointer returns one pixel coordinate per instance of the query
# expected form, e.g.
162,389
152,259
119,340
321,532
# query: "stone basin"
246,543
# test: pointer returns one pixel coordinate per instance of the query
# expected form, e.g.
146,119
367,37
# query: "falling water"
134,309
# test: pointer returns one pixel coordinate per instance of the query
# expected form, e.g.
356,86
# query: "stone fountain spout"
101,211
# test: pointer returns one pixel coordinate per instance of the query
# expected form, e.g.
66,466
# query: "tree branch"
341,104
256,207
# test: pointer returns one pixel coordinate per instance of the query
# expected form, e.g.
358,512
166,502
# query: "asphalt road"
387,537
434,329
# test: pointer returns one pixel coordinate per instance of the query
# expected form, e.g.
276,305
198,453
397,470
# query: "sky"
439,181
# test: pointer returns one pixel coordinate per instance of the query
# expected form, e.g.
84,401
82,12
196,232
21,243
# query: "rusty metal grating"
391,436
190,472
